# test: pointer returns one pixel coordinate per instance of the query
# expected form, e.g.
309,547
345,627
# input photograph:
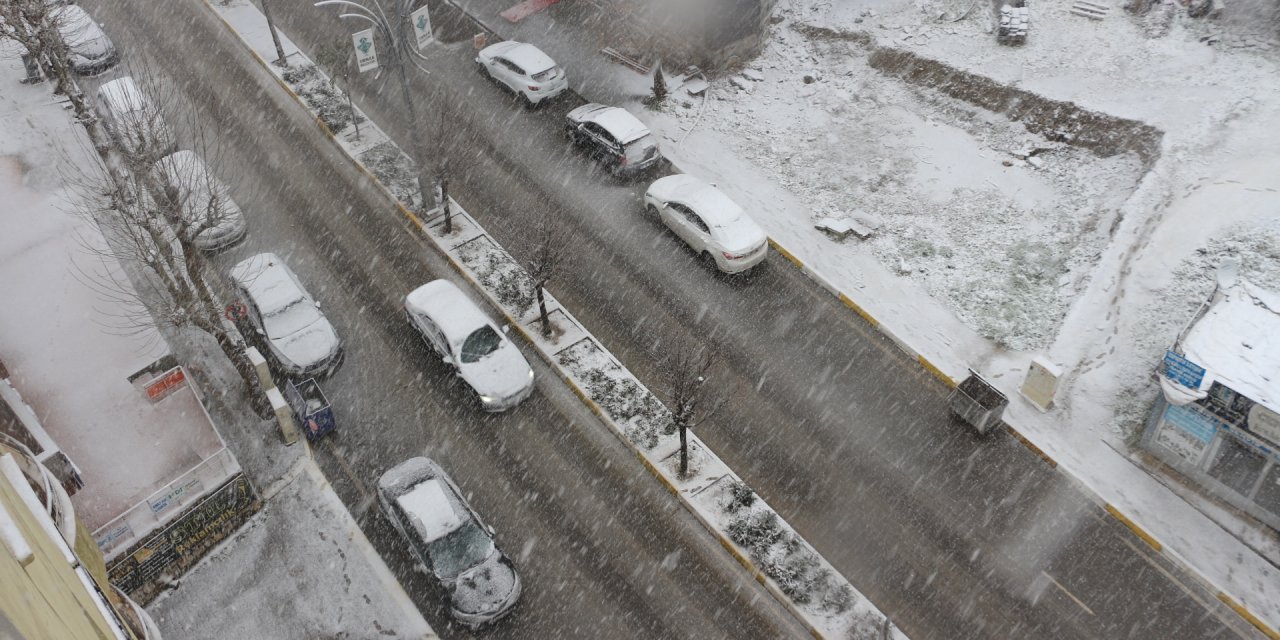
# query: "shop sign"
1182,371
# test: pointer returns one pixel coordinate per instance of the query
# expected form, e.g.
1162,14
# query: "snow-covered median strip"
778,557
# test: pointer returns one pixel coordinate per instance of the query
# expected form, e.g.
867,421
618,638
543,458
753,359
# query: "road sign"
366,55
421,26
1182,371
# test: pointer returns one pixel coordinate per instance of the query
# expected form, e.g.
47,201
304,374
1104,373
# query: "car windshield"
290,318
480,343
640,149
461,549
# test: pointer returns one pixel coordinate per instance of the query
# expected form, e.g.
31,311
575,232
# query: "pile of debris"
1014,23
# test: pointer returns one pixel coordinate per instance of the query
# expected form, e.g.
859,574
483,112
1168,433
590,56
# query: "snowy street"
601,545
828,417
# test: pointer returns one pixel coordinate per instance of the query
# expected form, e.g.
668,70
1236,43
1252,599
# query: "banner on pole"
421,26
366,56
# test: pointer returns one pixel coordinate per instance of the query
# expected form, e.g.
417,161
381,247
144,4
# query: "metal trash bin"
977,402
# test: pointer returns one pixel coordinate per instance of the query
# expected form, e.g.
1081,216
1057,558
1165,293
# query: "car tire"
710,261
529,105
653,212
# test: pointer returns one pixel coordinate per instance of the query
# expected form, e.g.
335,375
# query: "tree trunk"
684,451
231,347
275,36
444,202
542,311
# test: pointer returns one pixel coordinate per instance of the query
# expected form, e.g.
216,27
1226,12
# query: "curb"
724,541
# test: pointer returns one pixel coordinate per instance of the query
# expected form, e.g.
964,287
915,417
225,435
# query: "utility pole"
403,49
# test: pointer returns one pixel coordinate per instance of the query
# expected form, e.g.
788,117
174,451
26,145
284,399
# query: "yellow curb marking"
786,254
848,302
1247,615
1133,526
1030,445
937,373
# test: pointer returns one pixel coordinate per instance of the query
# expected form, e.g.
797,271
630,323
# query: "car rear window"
641,149
549,74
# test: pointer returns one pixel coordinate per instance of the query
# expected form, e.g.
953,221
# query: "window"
696,221
1237,465
480,343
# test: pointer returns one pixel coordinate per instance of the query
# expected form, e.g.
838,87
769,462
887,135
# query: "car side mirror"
491,530
317,304
506,328
446,360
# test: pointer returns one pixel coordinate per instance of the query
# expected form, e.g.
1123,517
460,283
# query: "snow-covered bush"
499,274
625,401
322,96
740,495
755,531
393,169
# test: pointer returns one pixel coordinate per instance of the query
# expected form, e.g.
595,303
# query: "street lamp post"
402,50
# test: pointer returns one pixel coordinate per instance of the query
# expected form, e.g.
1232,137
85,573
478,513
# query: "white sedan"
708,221
460,333
299,338
524,69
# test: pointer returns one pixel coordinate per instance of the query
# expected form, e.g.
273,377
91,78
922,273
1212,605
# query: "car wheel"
653,212
529,105
484,71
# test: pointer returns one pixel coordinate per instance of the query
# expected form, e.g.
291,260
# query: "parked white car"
524,69
132,120
460,333
615,138
205,201
450,540
708,221
300,339
91,50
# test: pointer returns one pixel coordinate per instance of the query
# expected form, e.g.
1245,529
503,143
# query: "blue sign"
1182,371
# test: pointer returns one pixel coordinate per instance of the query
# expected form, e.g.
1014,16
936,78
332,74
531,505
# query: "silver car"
450,540
299,338
91,50
614,137
133,120
204,200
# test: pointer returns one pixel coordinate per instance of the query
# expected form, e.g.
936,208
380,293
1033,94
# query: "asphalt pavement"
603,549
952,534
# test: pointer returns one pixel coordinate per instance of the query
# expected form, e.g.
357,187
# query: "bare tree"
686,369
162,214
449,150
549,257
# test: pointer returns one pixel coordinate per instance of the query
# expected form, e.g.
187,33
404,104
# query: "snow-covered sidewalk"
996,244
301,568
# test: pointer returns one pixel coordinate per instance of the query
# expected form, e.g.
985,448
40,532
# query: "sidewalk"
742,140
301,568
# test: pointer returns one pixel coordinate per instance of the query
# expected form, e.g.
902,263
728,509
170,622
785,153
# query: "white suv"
524,69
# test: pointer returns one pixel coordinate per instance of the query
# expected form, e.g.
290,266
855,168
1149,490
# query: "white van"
133,121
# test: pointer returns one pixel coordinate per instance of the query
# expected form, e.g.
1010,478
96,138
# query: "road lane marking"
1069,594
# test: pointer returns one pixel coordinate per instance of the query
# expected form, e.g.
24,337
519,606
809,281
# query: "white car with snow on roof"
617,139
299,338
708,221
460,333
524,69
133,120
450,540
